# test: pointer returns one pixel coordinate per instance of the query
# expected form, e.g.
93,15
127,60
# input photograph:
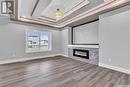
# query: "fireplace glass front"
81,53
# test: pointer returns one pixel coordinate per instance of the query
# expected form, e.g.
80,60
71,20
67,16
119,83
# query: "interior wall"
66,35
114,34
65,40
13,37
86,34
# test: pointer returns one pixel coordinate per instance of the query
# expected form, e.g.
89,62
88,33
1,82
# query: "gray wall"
65,40
114,38
12,40
86,34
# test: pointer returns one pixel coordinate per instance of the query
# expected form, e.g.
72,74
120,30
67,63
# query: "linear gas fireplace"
81,53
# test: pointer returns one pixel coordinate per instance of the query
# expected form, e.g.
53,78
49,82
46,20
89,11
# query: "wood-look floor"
60,72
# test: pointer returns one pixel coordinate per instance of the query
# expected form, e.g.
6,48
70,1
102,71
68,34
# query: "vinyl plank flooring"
59,72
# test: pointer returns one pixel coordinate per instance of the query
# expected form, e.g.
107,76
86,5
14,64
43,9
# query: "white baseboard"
115,68
64,55
14,60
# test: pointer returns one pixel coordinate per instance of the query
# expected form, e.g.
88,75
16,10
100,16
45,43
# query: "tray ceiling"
67,7
42,11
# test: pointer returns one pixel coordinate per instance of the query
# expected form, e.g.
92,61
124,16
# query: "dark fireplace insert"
81,53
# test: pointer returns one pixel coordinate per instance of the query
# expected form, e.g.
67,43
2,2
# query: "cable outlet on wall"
14,54
109,59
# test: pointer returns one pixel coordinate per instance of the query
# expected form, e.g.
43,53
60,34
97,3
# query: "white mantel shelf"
85,46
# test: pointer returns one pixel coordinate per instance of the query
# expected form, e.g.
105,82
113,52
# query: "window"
38,41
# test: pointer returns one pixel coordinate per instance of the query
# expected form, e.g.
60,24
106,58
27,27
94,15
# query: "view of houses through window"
38,41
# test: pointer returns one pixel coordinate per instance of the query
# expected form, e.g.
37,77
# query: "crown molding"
99,8
87,13
71,10
48,18
36,21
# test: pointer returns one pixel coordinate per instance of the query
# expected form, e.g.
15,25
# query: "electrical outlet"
14,54
109,59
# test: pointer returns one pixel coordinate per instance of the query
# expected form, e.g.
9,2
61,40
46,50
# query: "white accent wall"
114,39
86,34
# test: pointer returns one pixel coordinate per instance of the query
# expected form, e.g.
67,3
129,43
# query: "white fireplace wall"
66,36
86,34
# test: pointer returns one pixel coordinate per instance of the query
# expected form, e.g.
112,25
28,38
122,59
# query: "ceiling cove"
67,8
48,20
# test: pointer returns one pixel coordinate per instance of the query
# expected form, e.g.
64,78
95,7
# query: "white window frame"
31,51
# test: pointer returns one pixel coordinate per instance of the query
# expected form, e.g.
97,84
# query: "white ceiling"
46,8
42,11
26,7
67,7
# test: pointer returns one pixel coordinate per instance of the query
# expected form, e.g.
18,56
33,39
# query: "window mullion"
40,41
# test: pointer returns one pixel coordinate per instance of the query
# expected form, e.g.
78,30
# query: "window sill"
37,51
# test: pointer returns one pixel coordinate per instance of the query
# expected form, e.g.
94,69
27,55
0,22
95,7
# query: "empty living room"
64,43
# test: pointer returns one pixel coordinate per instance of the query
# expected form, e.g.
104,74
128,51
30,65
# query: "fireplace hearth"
81,53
